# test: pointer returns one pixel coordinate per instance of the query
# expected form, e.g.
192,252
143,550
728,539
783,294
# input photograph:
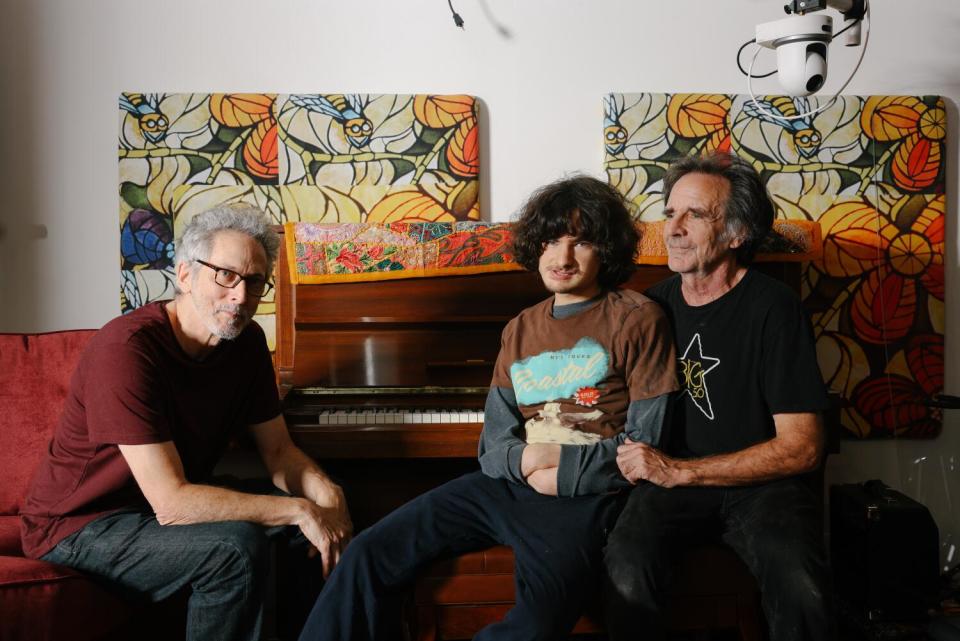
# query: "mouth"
236,316
561,274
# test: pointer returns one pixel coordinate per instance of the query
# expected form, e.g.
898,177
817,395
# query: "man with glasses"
124,491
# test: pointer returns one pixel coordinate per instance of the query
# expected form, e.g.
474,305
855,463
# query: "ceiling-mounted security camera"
802,41
801,44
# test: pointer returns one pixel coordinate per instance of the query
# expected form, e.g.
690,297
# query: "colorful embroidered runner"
332,252
349,252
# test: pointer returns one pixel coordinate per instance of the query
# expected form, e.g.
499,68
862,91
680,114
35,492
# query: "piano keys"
396,416
384,422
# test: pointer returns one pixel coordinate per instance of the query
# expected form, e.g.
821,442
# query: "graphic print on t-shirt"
693,370
553,426
548,376
568,373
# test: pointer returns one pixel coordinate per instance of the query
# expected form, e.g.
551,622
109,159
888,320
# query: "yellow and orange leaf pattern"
870,170
299,157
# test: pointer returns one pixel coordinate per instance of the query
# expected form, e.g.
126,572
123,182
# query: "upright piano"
384,382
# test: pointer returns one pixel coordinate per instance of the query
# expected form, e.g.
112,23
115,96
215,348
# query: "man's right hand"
329,530
641,462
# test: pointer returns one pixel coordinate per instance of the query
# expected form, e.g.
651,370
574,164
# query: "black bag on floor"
884,551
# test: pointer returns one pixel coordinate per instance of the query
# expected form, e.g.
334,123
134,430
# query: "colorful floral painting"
299,157
870,170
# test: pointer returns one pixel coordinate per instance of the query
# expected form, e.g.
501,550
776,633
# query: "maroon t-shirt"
135,385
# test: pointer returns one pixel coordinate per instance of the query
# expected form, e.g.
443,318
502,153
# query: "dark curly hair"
584,207
748,211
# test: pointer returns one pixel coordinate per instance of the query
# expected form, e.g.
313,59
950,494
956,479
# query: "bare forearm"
193,503
795,449
757,464
544,481
299,475
539,456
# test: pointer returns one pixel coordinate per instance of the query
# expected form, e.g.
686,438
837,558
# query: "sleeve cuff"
514,456
568,472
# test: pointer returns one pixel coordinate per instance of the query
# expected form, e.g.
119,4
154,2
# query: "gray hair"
748,212
197,239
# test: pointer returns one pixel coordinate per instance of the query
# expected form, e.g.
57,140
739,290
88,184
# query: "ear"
736,242
184,280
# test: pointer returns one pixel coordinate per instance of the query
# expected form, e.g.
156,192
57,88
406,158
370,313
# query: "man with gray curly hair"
125,490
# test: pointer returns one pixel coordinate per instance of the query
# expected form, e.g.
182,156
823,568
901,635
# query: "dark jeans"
776,528
557,543
224,564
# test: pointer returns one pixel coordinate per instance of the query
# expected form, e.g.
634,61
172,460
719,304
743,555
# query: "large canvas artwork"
870,170
300,157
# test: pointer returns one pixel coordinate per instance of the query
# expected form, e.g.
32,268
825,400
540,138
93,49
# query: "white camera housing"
801,44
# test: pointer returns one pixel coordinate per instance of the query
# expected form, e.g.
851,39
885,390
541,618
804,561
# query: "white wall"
539,67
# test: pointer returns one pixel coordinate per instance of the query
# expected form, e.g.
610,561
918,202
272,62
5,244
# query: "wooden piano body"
413,343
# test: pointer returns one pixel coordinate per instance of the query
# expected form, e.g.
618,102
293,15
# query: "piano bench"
455,598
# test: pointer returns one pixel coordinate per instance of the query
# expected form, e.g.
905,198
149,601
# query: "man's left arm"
796,448
296,473
792,388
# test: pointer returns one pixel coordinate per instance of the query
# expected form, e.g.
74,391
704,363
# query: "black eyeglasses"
257,285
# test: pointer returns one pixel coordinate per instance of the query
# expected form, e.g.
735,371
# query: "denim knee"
249,538
239,552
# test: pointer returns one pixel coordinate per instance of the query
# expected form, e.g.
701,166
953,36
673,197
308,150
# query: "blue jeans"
776,528
557,544
224,564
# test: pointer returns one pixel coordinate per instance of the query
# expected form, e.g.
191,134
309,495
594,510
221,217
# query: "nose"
565,254
239,294
674,226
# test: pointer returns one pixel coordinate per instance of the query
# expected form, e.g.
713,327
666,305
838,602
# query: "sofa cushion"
35,371
10,536
44,601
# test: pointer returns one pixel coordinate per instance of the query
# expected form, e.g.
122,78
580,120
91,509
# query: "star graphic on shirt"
694,367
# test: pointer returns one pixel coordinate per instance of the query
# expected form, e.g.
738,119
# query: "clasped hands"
328,528
641,462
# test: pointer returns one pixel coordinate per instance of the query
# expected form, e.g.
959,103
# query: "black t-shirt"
741,359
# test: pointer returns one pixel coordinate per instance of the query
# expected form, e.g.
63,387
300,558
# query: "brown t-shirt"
591,364
581,380
134,385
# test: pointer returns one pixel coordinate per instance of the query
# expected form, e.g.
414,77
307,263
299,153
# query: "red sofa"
41,601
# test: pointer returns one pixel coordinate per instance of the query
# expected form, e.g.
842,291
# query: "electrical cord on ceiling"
856,22
457,20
